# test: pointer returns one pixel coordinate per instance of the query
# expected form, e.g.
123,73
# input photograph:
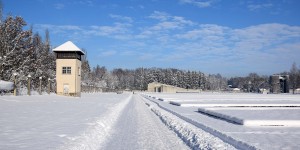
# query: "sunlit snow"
148,121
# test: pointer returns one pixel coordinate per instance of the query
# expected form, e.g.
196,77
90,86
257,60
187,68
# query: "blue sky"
230,37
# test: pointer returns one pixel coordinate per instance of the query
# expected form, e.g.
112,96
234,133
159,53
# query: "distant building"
68,69
297,91
264,91
279,84
236,90
164,88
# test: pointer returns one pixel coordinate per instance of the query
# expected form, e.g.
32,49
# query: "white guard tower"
68,69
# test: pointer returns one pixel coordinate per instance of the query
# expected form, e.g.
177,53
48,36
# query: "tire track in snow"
98,132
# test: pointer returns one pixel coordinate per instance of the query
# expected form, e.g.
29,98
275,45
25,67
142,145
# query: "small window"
66,70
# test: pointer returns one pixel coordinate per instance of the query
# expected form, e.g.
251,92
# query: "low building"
279,84
236,90
264,91
297,91
164,88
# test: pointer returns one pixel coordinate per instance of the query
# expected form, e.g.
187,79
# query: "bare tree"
294,77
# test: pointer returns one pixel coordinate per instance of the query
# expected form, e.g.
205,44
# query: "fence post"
15,83
28,88
40,90
49,85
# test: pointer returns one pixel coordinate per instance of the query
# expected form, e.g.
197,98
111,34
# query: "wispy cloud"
160,15
255,7
59,6
118,31
182,40
146,56
199,3
171,39
166,23
85,2
263,46
57,29
108,53
265,36
204,31
141,6
121,18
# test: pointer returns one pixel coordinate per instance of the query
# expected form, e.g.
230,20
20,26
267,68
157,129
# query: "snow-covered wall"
4,85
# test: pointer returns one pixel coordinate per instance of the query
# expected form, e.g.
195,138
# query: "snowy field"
92,122
247,121
149,121
56,122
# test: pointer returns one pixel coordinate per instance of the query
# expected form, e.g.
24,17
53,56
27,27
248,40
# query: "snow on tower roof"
68,47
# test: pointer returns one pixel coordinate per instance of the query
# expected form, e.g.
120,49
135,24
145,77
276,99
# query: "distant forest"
24,53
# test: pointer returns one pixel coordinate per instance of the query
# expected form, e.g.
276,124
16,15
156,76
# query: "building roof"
68,47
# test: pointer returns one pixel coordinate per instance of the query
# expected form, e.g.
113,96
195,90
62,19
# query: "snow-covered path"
139,128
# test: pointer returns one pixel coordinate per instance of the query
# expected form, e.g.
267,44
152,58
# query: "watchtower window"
66,70
68,55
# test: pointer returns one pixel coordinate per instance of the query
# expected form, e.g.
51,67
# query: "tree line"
24,54
253,82
138,79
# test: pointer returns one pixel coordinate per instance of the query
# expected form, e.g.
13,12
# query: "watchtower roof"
68,47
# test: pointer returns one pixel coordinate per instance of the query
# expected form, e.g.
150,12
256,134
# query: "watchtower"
279,84
68,69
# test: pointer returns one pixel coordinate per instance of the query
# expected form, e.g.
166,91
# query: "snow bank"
225,97
191,135
241,103
5,85
175,103
221,137
95,136
235,105
285,123
222,116
257,117
241,136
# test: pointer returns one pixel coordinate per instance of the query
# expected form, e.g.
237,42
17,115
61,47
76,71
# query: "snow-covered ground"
58,122
147,121
92,122
220,112
138,128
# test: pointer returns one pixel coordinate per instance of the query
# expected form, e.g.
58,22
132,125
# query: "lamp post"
249,83
28,92
40,91
15,83
49,80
